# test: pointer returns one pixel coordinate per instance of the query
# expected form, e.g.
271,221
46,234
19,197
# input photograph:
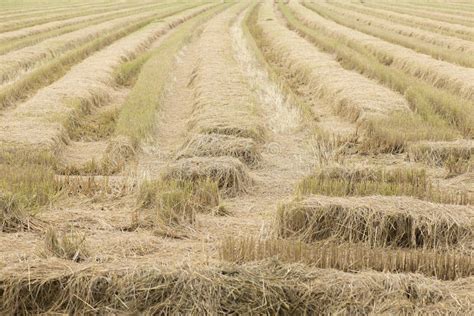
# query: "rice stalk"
361,181
443,265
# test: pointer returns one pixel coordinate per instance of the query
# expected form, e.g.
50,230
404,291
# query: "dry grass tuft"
231,176
176,203
12,217
216,145
377,221
70,246
94,127
265,288
23,190
361,181
349,257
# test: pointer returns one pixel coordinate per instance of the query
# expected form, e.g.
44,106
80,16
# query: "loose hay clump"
377,221
216,145
12,217
231,175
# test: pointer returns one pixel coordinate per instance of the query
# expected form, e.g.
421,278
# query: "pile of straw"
231,175
377,221
216,145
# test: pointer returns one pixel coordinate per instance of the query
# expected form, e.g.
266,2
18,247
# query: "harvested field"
236,157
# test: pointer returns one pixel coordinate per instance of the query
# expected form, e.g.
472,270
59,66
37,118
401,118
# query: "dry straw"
224,103
265,288
216,145
445,265
377,221
231,175
176,203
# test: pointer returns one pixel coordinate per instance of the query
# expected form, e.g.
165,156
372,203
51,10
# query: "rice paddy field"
214,157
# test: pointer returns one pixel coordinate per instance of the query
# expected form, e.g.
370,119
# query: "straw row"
435,16
224,123
35,20
55,286
38,123
379,24
350,94
450,29
28,31
20,61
